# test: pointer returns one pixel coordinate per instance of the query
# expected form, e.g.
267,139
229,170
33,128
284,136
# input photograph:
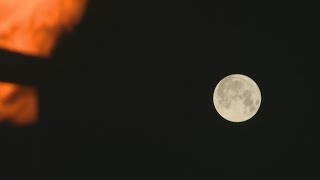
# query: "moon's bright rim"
237,98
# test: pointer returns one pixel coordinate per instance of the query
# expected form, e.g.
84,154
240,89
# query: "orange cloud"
32,27
18,104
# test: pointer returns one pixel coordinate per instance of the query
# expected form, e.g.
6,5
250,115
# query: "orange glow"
19,104
32,27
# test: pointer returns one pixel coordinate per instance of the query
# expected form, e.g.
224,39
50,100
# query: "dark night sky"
129,94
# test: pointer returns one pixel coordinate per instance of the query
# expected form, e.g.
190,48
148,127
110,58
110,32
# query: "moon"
237,98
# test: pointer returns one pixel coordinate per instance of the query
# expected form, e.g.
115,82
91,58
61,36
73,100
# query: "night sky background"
128,94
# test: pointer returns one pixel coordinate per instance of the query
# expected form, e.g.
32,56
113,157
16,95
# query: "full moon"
237,98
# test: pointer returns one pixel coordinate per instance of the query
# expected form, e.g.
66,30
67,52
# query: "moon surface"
237,98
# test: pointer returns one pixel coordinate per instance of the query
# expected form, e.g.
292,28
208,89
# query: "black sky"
129,94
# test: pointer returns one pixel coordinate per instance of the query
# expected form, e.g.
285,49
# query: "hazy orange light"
32,27
18,104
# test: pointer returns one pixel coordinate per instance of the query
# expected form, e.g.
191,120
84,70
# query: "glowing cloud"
32,27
